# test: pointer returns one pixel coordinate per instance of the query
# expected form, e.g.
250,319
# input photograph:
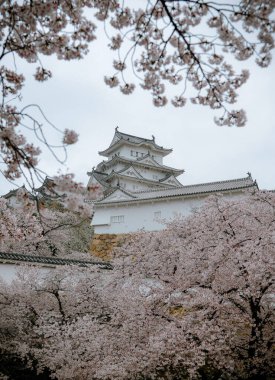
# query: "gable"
115,139
118,195
149,160
96,181
92,180
172,181
131,172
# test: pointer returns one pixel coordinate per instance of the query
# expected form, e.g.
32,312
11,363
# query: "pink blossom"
42,74
127,89
111,81
70,137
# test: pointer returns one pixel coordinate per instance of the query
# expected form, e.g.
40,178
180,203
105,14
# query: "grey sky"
77,98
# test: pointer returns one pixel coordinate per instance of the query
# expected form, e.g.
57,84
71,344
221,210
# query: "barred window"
117,219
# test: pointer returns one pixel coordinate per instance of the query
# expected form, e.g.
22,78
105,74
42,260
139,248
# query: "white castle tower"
138,190
134,164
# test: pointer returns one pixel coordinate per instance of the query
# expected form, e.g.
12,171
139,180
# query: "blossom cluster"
31,29
49,222
162,45
193,301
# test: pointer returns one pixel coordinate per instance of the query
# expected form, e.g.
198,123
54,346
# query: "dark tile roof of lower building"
17,258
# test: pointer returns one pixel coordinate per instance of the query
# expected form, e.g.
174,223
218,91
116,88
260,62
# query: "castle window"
132,152
157,214
117,219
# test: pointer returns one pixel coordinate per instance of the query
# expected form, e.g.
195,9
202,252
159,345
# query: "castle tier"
134,164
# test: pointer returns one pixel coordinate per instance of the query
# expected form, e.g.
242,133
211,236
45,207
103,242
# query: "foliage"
193,301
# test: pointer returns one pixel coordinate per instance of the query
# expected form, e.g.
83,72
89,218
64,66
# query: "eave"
200,190
141,180
45,261
157,166
97,176
149,144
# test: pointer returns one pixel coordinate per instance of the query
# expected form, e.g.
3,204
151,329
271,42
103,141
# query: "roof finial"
93,168
249,174
116,129
153,138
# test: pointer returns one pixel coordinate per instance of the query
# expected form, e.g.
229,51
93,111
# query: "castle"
139,190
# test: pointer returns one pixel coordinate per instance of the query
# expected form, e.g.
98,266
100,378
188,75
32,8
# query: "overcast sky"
77,98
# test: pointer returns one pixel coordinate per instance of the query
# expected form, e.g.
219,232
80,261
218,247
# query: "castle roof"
16,258
120,139
13,193
184,191
153,164
100,177
139,177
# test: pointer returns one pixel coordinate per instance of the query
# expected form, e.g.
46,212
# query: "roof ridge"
142,179
105,162
224,181
137,137
180,193
49,259
98,172
201,184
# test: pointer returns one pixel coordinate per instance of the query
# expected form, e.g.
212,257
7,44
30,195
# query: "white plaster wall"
142,216
8,271
133,185
157,158
152,174
125,151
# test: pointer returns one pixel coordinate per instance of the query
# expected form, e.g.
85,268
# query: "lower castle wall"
149,216
103,245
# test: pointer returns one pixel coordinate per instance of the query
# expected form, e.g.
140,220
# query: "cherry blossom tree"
217,266
19,230
161,42
54,222
187,43
29,29
193,301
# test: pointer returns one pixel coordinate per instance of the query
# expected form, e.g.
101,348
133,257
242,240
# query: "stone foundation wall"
103,244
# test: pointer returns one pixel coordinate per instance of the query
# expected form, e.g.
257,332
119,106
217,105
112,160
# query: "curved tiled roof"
135,140
199,189
139,163
13,193
17,258
142,179
101,178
